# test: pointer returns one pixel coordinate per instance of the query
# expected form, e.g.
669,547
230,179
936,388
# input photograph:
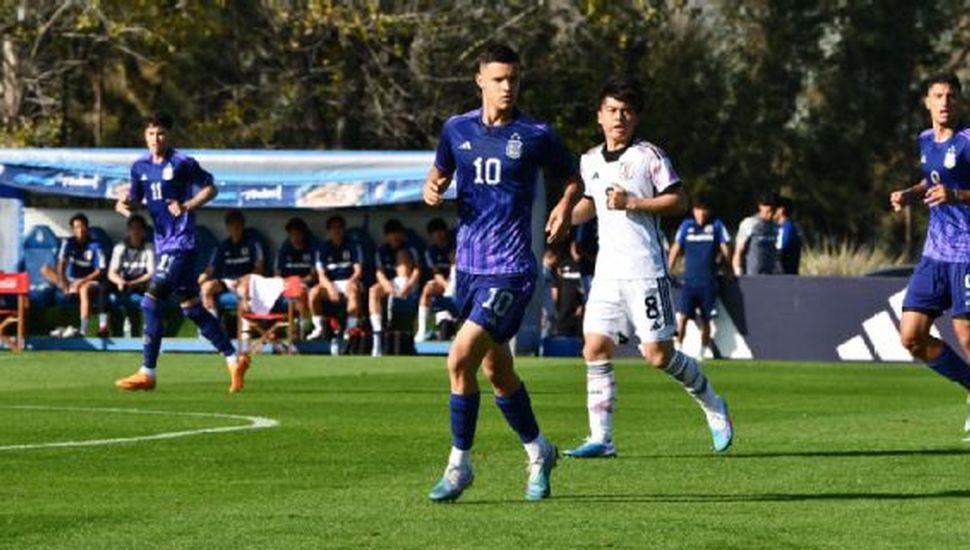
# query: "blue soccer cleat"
452,484
722,430
540,470
593,449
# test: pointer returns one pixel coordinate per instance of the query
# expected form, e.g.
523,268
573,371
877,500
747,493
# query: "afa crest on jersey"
167,172
513,149
950,160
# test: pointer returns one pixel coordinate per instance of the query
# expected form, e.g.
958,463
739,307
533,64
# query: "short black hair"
498,53
624,88
436,224
393,225
235,216
137,219
160,119
336,219
786,204
79,217
700,201
771,199
942,78
296,224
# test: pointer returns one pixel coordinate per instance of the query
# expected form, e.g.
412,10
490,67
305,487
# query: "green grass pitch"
826,456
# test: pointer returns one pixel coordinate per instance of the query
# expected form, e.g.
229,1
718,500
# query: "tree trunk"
10,83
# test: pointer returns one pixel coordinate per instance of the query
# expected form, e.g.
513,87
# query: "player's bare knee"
915,343
594,350
658,356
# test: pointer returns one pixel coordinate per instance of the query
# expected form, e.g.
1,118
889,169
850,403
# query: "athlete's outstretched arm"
672,202
199,200
899,199
726,259
584,211
435,186
675,251
560,219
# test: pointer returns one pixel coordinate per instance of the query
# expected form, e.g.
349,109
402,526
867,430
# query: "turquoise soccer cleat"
593,449
452,484
537,487
722,430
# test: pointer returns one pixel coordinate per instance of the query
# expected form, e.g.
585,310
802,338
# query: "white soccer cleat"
316,334
537,485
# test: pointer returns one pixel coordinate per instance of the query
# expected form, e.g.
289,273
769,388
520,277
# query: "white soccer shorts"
614,305
342,286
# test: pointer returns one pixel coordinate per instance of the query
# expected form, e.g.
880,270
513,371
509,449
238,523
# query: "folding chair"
14,284
265,323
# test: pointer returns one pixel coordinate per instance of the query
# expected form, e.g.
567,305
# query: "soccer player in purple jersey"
495,154
166,181
941,279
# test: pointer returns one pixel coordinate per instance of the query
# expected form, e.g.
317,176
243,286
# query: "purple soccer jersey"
947,163
174,179
496,170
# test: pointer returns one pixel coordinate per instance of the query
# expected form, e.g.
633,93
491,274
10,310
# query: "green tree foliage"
819,100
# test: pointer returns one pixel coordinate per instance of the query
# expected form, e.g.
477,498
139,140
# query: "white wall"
10,237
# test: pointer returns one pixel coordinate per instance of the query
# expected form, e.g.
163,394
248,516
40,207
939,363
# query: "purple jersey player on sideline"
495,155
941,279
172,185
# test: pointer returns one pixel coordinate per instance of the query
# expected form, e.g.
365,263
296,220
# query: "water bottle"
127,327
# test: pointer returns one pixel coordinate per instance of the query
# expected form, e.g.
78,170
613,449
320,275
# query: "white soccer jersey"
630,243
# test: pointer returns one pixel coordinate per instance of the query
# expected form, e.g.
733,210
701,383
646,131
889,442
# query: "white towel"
263,292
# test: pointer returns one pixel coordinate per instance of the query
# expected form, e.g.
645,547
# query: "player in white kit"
629,185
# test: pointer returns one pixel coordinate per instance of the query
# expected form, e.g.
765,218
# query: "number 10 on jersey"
488,171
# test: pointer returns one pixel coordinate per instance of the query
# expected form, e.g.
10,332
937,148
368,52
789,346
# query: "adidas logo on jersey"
596,176
466,146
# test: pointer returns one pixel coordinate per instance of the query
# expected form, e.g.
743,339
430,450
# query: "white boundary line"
255,423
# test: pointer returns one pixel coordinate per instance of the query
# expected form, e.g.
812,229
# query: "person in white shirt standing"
630,184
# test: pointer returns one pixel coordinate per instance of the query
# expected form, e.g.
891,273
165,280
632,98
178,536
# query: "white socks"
375,322
422,321
535,447
600,400
147,372
317,322
102,320
460,458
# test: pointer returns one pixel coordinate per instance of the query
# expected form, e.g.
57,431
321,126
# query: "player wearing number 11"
629,185
495,155
172,185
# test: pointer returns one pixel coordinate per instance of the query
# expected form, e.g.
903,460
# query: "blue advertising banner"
246,179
